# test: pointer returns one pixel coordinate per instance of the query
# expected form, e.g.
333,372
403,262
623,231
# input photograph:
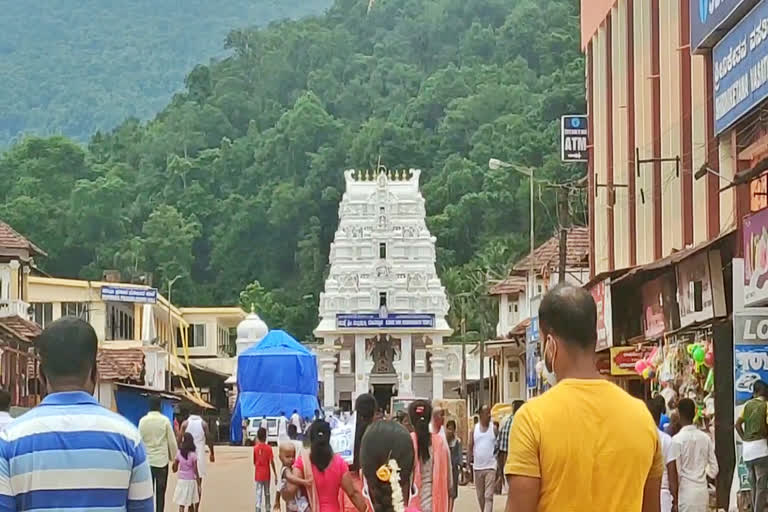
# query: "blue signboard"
740,68
750,354
750,364
125,294
574,140
535,328
531,379
711,19
389,321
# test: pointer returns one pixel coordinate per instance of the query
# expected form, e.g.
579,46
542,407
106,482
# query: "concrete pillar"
438,367
25,283
405,384
328,371
361,377
15,291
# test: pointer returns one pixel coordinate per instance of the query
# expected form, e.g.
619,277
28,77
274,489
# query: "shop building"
676,176
651,99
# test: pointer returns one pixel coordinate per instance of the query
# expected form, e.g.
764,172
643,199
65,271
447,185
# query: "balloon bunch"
648,366
701,355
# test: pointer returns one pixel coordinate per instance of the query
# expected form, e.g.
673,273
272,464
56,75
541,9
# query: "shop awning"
176,367
207,369
608,274
150,391
186,395
673,259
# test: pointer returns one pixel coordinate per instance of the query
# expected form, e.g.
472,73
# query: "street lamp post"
495,164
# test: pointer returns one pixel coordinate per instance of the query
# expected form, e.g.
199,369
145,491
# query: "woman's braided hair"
386,442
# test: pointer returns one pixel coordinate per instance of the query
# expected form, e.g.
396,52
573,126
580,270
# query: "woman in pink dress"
388,458
327,472
432,470
365,408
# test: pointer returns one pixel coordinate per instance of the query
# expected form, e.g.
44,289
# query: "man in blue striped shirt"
70,452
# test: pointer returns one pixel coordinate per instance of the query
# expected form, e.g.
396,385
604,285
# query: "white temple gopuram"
383,312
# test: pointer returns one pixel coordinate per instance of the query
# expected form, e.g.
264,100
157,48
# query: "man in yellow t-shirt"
585,445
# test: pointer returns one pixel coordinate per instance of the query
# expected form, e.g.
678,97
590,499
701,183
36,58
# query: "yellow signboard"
623,359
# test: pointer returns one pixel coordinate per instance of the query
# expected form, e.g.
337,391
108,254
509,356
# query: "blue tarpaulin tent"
277,375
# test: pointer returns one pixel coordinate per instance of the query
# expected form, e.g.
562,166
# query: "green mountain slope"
239,178
73,67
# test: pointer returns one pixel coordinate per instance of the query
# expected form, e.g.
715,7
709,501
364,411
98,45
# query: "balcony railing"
14,308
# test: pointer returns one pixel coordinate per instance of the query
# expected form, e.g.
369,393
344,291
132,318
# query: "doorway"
383,394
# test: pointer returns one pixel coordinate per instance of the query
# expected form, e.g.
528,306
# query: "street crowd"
584,445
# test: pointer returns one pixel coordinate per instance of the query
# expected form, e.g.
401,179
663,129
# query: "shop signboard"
531,378
740,68
601,292
755,233
386,321
623,359
574,138
750,364
126,294
750,361
710,19
700,288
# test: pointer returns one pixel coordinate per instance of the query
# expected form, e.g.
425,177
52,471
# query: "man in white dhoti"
195,425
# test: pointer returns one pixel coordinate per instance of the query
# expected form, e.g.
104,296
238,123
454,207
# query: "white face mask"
549,374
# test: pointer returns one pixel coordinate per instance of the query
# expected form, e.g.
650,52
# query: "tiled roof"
11,239
122,364
20,328
517,331
511,285
547,255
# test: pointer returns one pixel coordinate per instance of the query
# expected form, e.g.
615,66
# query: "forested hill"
239,178
75,66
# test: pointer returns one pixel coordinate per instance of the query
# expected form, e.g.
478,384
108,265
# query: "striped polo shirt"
70,453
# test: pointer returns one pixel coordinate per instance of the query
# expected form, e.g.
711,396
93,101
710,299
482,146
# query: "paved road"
229,486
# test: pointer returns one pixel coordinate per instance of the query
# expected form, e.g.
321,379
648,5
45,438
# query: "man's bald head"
569,313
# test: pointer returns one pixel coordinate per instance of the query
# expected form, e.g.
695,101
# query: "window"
196,335
383,250
120,321
697,293
513,308
76,309
224,344
43,313
539,288
514,371
382,299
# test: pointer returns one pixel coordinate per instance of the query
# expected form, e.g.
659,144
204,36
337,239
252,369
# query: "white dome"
252,328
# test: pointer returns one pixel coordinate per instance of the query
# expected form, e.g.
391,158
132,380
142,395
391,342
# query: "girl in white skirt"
186,494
